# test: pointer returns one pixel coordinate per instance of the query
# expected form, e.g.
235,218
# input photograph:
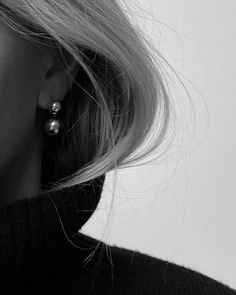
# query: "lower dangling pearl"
53,126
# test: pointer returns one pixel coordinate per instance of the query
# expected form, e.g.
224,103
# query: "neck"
22,176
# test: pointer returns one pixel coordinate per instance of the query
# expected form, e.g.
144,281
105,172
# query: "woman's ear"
56,78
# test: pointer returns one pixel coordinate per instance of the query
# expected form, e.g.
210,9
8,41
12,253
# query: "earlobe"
52,89
56,82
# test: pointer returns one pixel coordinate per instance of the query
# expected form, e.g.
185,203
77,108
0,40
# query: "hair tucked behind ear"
117,97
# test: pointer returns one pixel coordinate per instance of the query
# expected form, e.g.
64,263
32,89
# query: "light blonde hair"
120,91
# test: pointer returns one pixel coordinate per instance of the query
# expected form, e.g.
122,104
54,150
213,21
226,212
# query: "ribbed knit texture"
31,231
37,258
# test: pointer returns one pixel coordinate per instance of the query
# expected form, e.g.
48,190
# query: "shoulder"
109,269
156,275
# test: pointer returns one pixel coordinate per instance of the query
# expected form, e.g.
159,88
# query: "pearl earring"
53,126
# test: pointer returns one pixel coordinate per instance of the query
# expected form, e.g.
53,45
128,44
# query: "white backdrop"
184,210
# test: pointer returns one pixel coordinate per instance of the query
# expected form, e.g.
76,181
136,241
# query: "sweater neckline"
32,229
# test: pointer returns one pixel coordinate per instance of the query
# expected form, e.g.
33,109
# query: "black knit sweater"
41,253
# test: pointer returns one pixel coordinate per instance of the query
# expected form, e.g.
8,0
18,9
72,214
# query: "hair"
118,96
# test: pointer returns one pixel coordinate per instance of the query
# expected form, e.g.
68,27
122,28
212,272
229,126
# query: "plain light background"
184,210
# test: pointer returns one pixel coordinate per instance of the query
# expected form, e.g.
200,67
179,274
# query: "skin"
30,79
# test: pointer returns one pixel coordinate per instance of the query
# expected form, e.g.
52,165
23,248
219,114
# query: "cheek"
19,82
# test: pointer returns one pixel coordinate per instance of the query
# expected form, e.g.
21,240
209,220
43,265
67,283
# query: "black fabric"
31,230
39,257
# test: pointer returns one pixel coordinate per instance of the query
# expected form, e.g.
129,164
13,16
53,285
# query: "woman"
79,93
